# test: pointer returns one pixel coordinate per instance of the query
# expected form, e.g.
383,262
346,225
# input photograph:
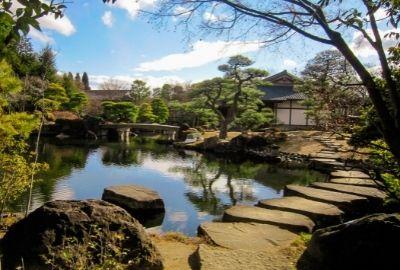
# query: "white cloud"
202,53
108,19
63,25
96,80
210,17
133,6
289,64
40,36
362,48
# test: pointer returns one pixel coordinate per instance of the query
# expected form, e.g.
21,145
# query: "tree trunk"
223,129
389,130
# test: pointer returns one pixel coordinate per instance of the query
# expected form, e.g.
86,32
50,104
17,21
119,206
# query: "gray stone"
367,243
349,174
135,199
217,258
355,182
286,220
44,233
351,204
368,192
250,236
323,214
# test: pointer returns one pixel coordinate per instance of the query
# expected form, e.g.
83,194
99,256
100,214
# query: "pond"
195,187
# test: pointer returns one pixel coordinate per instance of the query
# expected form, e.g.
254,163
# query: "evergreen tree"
47,69
146,113
160,110
139,92
85,81
70,76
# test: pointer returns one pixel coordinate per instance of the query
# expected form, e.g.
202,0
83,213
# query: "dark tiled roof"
280,92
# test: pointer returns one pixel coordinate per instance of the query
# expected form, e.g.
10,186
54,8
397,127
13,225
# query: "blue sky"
111,41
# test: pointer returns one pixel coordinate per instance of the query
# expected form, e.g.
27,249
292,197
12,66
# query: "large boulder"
367,243
63,233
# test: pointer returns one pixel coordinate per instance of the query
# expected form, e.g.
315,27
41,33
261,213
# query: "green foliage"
15,168
54,96
77,99
13,22
233,94
146,114
252,119
9,83
119,112
140,92
101,250
160,110
192,114
331,90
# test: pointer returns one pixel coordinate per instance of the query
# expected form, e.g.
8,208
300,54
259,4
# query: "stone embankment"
274,223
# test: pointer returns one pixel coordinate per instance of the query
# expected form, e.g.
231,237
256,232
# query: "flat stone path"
286,220
349,174
252,236
342,200
355,182
369,192
217,258
323,214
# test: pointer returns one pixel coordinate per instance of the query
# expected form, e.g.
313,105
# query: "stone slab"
326,155
369,192
323,214
286,220
349,174
346,202
217,258
249,236
133,198
363,182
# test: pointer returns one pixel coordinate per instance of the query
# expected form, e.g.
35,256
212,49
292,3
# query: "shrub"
119,111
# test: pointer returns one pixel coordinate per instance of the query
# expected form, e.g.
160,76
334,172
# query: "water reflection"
194,187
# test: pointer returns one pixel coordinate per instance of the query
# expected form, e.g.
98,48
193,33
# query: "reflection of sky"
159,174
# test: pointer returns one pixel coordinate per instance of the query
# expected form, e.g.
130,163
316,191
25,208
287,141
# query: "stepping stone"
286,220
137,200
346,202
217,258
349,174
369,192
355,182
323,214
250,236
324,155
326,164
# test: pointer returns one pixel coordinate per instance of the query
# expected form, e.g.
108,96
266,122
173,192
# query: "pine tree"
85,81
47,61
146,113
160,110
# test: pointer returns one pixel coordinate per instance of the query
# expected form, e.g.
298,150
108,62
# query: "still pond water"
195,187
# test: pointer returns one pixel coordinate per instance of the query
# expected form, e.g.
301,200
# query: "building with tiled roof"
285,102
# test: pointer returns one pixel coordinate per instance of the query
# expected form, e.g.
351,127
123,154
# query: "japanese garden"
201,134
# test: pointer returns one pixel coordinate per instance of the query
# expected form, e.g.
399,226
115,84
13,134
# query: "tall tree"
230,95
139,92
160,110
325,21
332,89
85,81
47,59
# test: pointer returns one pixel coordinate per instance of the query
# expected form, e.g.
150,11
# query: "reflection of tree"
121,154
277,177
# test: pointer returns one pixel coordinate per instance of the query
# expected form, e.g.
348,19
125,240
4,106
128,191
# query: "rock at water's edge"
366,243
135,199
47,230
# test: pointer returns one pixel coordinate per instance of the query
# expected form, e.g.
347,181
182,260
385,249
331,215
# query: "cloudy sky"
112,41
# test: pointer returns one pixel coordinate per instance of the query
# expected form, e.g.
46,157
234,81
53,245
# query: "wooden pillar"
290,112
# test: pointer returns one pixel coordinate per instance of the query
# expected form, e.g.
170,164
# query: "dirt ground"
179,252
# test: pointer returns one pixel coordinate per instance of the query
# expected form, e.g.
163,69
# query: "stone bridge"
125,129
